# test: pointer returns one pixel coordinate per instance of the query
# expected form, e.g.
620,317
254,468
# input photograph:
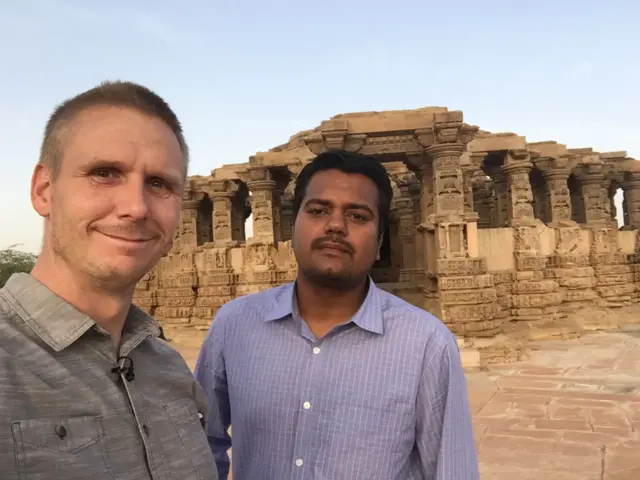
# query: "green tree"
14,261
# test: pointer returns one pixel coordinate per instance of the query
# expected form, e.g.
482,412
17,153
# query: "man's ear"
41,190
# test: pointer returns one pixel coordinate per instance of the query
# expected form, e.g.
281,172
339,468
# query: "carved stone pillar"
262,187
239,213
483,203
447,179
631,189
403,205
613,210
591,180
468,173
186,235
559,197
221,192
415,191
286,219
520,207
501,196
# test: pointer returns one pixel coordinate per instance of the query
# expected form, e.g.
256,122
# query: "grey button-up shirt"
65,415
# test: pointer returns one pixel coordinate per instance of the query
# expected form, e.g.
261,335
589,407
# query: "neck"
320,304
108,309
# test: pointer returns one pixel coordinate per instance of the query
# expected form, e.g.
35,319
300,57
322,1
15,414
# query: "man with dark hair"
89,389
330,377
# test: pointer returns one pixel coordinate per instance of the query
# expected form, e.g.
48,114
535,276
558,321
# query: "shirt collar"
368,317
56,321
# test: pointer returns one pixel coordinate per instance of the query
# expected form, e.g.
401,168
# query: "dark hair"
348,162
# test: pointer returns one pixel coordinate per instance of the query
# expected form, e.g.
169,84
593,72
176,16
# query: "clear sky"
244,76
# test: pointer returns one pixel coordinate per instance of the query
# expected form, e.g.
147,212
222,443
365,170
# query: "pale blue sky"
245,75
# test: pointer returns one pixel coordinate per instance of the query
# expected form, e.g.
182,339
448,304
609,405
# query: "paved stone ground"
570,411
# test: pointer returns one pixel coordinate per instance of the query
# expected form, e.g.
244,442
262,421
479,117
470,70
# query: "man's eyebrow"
348,206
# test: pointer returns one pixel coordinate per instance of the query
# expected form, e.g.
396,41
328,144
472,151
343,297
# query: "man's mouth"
333,246
121,238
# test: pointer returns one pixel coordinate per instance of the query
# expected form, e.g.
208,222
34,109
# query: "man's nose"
133,199
336,223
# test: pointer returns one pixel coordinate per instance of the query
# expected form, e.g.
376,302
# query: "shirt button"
306,405
299,462
61,432
316,350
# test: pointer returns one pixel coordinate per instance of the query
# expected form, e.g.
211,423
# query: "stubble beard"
331,279
101,275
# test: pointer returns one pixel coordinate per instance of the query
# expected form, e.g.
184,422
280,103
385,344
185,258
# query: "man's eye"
104,173
316,211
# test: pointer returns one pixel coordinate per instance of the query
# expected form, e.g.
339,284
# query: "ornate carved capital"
631,181
516,168
425,136
476,158
221,189
404,179
415,161
261,185
561,174
190,204
590,174
445,154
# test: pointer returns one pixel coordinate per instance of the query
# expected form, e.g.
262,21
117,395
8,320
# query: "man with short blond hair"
89,389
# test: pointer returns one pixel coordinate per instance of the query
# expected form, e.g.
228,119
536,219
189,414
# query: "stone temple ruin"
502,239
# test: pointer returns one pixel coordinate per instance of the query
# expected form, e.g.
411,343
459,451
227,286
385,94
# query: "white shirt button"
316,350
306,405
299,462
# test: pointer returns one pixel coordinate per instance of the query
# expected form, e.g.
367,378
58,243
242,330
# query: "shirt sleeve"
211,374
444,431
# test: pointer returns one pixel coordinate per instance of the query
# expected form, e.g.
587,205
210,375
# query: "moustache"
321,242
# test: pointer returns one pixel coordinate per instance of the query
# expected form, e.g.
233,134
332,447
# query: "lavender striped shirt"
382,397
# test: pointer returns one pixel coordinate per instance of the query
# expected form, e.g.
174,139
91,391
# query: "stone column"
186,235
406,229
468,173
448,219
262,188
559,196
221,193
591,180
415,190
613,210
483,203
501,190
631,189
520,206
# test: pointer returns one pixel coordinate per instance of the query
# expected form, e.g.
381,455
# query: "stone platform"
570,411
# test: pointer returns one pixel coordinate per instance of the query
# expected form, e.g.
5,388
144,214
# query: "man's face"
336,238
112,209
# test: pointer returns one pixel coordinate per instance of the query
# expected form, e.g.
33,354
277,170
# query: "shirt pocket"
196,456
69,448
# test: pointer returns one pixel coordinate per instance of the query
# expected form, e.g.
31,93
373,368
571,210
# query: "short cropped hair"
348,162
110,93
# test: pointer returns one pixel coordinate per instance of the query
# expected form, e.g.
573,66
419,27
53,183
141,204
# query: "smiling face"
336,238
112,209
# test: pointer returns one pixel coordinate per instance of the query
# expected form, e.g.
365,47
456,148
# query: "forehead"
342,188
123,135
